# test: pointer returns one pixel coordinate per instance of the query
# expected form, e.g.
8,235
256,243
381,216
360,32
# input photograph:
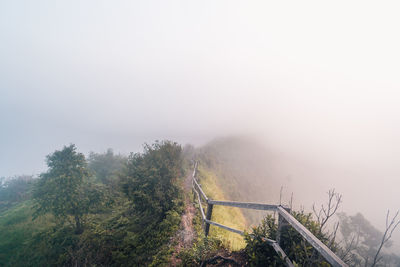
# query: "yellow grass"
228,216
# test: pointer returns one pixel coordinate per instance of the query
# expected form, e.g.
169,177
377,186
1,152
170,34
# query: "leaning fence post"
208,218
281,224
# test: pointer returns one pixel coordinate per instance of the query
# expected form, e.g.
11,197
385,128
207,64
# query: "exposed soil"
186,234
187,218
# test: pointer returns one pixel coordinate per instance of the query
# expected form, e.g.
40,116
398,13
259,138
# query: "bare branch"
350,247
391,225
326,212
333,235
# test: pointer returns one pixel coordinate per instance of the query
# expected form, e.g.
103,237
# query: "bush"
204,248
296,248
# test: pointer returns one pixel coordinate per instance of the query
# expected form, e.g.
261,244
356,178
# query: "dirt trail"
186,234
187,218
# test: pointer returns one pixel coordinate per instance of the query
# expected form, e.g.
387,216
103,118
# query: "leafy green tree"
151,183
64,190
151,178
106,166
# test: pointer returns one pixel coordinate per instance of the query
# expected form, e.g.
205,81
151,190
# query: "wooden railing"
285,218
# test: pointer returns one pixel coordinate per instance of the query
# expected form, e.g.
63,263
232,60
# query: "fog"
317,82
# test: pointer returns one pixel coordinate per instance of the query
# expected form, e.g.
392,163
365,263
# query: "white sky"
317,80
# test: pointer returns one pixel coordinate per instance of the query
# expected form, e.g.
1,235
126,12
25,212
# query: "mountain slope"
243,172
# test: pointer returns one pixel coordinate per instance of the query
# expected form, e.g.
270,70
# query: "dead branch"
391,225
333,235
326,212
350,246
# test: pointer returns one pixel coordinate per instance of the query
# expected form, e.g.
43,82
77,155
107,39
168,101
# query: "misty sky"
317,81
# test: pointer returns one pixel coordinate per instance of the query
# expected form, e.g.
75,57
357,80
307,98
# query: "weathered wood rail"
285,218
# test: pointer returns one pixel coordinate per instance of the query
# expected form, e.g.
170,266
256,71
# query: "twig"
390,227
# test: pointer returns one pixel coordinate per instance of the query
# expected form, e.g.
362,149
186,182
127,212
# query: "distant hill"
244,170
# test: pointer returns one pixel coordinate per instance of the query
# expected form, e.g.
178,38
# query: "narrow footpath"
186,233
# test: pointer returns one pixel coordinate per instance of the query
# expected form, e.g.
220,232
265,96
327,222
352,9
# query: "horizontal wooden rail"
194,171
225,227
201,206
200,189
244,205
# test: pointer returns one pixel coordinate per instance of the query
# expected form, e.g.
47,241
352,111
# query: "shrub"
296,248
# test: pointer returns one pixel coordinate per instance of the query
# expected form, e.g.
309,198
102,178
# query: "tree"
150,180
14,190
106,166
363,243
151,183
63,190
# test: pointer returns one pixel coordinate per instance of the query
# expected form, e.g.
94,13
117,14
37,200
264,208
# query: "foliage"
204,248
257,250
15,190
150,180
151,183
295,247
64,190
119,229
106,166
16,227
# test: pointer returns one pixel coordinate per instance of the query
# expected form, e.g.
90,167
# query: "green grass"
232,217
16,227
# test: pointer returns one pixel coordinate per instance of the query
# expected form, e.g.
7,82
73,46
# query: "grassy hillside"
232,217
243,168
16,227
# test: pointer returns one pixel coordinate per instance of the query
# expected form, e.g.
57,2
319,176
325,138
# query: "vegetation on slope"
16,227
241,166
14,190
125,211
131,224
232,217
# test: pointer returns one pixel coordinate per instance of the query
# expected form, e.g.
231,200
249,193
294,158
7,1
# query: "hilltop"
111,210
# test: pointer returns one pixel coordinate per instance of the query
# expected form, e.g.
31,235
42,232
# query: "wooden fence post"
208,217
281,225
